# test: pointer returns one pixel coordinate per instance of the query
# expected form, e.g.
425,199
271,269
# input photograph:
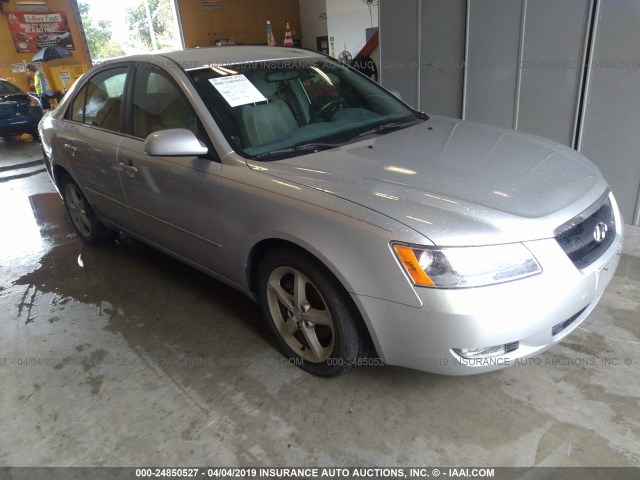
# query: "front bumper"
524,311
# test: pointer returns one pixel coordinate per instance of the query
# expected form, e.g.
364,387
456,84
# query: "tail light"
34,101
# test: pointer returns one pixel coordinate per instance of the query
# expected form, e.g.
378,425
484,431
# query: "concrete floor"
121,356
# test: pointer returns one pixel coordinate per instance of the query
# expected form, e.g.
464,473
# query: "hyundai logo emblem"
600,232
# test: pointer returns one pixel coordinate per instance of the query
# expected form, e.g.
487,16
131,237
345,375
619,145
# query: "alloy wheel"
77,207
300,314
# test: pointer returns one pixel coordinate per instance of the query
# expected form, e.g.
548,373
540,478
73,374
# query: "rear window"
6,87
98,103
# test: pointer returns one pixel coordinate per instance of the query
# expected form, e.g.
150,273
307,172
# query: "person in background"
41,85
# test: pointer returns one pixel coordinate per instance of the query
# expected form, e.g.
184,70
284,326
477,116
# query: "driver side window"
159,105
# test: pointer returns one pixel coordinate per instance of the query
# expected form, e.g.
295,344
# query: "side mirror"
176,142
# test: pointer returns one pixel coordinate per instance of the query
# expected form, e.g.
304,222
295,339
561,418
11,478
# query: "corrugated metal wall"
610,127
564,69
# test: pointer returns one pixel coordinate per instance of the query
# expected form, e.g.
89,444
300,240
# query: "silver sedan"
368,232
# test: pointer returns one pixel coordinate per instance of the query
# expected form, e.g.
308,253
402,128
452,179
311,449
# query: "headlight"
459,267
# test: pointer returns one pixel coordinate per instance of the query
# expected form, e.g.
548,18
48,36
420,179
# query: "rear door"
173,199
90,139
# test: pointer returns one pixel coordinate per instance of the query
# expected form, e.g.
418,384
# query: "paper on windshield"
237,90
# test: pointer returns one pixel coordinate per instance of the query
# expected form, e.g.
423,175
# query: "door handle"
68,146
130,170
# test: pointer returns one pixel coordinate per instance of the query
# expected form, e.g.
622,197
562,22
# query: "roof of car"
194,58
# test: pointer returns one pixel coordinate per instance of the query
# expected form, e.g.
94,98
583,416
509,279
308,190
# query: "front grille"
511,347
587,236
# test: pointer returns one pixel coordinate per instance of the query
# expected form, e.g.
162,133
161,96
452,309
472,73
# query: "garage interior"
122,356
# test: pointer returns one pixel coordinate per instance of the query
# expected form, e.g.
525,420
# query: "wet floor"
121,356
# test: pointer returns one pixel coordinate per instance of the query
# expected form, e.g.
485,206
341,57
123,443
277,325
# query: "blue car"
20,112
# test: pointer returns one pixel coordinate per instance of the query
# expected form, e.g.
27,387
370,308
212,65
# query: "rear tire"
84,220
308,312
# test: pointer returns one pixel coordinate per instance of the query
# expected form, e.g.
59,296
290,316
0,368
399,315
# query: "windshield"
275,108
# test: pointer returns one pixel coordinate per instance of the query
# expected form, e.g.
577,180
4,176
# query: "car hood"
455,182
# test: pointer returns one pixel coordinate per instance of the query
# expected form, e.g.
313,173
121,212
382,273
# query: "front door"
173,199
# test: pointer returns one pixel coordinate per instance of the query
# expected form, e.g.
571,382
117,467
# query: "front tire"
309,313
84,220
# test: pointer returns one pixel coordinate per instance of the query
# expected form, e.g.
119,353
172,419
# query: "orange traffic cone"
288,40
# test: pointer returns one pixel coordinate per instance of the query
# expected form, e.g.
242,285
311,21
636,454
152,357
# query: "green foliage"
98,34
162,19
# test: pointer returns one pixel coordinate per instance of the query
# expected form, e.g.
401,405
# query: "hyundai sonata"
367,231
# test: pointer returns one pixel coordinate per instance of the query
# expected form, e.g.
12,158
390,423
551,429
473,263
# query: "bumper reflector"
487,352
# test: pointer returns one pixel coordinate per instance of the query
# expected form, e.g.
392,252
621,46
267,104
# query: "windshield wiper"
387,127
305,147
319,146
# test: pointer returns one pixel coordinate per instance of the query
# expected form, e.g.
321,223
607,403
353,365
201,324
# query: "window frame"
146,70
126,112
201,132
84,88
70,113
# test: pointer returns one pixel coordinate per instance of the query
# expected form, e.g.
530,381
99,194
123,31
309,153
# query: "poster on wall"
63,76
18,68
33,31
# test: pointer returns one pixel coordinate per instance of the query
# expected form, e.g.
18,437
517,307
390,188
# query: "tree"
370,4
163,22
98,34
